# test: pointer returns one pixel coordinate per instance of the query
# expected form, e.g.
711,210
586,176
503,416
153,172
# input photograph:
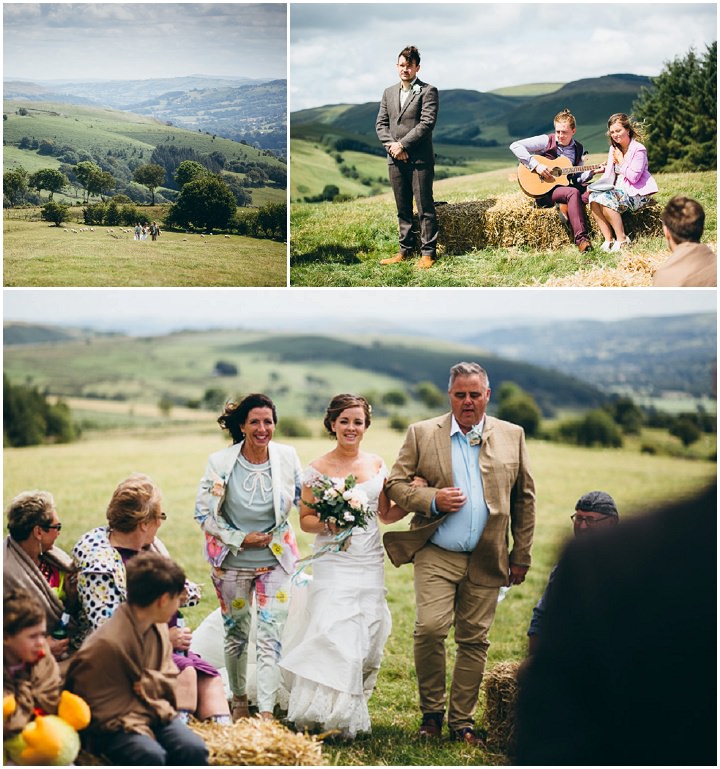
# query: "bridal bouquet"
341,502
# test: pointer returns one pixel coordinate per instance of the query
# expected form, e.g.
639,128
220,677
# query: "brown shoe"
468,735
239,707
399,257
431,726
584,245
425,262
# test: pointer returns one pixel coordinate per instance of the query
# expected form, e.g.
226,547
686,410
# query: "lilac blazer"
633,175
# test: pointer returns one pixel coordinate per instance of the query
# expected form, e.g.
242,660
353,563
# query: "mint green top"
248,506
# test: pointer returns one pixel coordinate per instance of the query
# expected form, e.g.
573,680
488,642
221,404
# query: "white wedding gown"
332,664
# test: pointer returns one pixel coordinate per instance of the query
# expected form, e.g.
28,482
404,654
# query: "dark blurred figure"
593,511
625,671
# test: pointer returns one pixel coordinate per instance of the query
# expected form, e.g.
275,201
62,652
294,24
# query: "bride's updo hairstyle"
341,402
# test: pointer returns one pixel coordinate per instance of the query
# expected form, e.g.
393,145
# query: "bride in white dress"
333,666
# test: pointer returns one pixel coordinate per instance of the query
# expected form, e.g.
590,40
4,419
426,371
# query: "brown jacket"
127,677
508,486
690,264
34,686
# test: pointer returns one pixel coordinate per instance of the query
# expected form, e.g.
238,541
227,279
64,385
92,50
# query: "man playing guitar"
571,198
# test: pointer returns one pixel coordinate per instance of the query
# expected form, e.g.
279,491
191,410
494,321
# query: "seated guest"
692,263
32,561
568,199
126,674
594,511
624,674
134,516
628,178
30,673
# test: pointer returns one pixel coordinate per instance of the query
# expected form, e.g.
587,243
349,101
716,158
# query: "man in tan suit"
479,487
691,263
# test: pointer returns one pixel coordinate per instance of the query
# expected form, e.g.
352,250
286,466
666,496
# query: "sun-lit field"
82,476
36,254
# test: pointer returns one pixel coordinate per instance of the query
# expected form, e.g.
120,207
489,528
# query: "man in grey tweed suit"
404,125
480,489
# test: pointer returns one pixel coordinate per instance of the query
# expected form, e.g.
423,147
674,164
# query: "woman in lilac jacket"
627,181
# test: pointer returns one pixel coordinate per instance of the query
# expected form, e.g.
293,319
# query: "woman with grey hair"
32,561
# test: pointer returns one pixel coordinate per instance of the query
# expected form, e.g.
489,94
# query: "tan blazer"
509,493
690,264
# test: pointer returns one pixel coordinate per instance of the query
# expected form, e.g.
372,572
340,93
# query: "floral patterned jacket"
221,537
102,586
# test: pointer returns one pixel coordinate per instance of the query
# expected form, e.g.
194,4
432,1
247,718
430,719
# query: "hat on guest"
597,502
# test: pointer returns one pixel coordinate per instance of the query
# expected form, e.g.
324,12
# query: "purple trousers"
576,202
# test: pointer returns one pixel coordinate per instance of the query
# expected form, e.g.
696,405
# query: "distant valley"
242,109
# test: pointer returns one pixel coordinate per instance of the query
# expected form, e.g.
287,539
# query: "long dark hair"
236,414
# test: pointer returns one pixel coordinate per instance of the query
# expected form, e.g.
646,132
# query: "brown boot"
399,257
425,262
239,707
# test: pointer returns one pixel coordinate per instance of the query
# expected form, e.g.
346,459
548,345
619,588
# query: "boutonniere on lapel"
475,435
416,88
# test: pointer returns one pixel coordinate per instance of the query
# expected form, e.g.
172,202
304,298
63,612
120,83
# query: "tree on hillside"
206,203
15,185
49,179
681,114
93,179
55,212
150,175
28,417
188,171
519,407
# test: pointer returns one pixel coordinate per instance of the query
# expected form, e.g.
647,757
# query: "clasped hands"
397,151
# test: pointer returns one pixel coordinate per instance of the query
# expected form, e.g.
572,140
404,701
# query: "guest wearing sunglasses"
33,562
593,511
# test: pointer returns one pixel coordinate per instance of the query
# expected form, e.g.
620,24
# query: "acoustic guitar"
535,186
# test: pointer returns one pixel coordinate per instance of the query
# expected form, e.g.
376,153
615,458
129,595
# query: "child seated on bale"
30,673
126,673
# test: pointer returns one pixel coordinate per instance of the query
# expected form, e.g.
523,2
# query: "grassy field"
36,254
83,475
340,244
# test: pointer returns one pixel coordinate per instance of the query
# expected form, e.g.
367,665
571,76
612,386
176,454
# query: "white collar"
455,427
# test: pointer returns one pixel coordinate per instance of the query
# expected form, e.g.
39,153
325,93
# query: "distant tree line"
29,418
105,173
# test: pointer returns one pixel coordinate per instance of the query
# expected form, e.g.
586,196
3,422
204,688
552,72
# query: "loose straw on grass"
257,742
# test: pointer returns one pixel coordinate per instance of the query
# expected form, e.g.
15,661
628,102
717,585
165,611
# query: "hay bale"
500,685
257,742
515,220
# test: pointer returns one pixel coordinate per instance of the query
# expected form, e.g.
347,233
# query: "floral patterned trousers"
235,589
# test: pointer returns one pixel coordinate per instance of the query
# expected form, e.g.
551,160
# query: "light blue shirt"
461,531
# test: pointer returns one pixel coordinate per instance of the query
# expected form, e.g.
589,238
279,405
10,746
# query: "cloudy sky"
466,310
119,41
346,52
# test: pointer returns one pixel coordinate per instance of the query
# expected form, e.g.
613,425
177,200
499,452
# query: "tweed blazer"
509,493
220,536
412,124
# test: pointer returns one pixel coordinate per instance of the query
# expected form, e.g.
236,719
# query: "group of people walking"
142,231
465,476
457,541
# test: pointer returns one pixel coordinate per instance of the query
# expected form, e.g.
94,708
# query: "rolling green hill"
301,372
118,141
473,131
